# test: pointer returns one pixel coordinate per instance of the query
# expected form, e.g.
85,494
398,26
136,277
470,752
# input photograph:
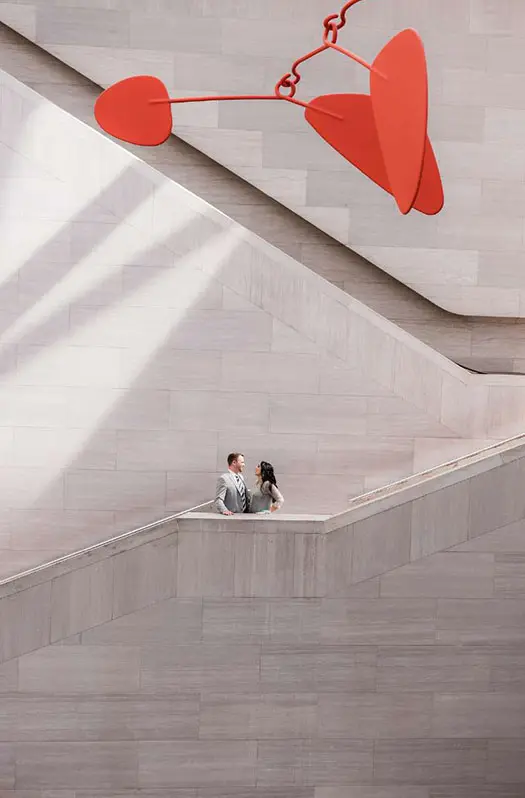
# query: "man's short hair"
233,457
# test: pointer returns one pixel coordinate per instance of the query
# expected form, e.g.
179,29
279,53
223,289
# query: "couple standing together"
232,495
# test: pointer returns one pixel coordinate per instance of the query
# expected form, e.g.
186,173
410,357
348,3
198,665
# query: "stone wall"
145,335
378,655
469,258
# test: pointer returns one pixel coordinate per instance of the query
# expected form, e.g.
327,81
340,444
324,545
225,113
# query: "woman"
266,497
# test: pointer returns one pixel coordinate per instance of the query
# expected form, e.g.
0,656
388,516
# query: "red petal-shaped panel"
125,111
355,137
430,198
399,91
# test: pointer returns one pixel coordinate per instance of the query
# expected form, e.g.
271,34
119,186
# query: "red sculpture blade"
126,112
399,92
356,139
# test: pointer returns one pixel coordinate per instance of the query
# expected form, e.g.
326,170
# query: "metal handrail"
104,543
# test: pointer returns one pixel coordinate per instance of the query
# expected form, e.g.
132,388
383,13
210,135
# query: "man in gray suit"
232,495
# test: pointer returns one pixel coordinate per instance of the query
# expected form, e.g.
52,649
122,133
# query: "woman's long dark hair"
267,473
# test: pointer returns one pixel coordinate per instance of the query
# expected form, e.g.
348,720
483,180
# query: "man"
232,495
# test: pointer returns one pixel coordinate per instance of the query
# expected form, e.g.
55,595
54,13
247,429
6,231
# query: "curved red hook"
341,16
292,78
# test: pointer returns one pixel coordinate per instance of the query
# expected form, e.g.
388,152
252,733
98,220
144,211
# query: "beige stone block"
123,327
418,380
486,18
145,575
102,766
372,621
205,71
431,761
244,147
286,339
502,125
56,448
439,520
510,539
298,150
432,669
187,489
236,621
203,410
310,573
25,620
443,575
479,715
419,266
163,32
173,369
75,366
75,669
201,667
307,414
495,499
205,565
279,373
506,403
254,717
505,762
457,123
509,575
356,455
7,766
238,37
166,450
480,621
464,407
175,621
82,26
371,792
9,676
22,488
320,493
81,599
470,160
381,543
313,669
289,185
339,553
314,762
371,715
264,564
501,268
199,762
20,18
97,718
339,379
114,490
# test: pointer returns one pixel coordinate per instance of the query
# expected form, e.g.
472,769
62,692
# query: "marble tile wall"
145,336
482,344
474,50
138,324
385,662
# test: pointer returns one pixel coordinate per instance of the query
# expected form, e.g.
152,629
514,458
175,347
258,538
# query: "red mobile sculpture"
383,134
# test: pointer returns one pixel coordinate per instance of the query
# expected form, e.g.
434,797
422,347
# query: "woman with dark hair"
266,497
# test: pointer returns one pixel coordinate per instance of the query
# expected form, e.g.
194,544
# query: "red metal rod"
182,100
333,46
341,17
300,61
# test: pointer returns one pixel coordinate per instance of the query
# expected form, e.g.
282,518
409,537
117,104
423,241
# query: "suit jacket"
228,496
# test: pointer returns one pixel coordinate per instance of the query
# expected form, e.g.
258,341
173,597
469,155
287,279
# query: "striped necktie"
242,491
